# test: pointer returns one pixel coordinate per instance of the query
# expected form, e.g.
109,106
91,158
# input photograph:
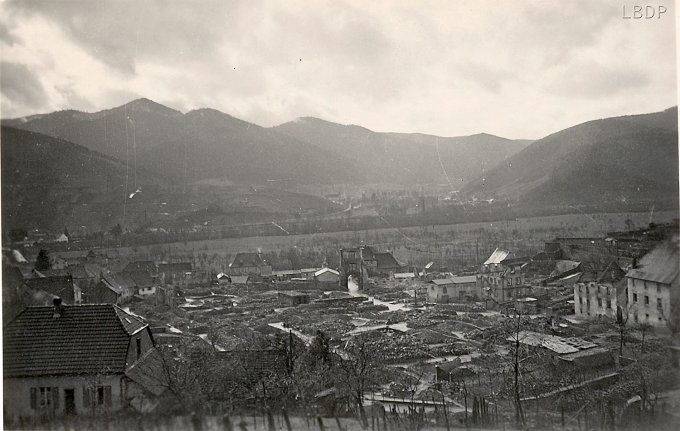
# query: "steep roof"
142,279
84,339
497,256
244,260
182,267
386,261
56,286
18,257
513,261
441,281
597,272
324,270
464,279
141,265
84,270
148,372
559,345
112,283
659,265
367,253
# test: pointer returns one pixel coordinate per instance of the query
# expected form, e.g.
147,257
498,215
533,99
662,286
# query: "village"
582,331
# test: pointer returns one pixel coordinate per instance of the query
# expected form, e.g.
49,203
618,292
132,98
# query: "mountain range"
207,143
72,162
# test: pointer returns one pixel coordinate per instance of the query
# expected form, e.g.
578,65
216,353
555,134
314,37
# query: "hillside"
401,158
207,143
630,159
200,144
52,183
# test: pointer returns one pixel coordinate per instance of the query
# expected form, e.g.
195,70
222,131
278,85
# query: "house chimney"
58,309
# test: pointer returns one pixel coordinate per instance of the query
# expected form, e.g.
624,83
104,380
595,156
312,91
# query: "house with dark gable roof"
57,286
112,289
249,263
141,265
72,360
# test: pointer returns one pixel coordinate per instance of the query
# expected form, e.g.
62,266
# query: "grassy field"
412,244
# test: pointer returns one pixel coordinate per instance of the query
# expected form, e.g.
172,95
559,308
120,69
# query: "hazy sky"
518,69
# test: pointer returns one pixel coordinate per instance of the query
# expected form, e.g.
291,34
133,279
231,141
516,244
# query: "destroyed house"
249,263
571,352
599,291
456,371
69,360
293,298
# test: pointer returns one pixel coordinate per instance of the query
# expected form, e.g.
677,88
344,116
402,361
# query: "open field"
413,244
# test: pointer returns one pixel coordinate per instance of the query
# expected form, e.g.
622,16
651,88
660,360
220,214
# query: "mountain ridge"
197,144
583,159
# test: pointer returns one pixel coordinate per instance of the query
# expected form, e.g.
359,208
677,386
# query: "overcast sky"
515,69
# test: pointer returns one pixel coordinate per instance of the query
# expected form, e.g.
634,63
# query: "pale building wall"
649,301
594,299
17,394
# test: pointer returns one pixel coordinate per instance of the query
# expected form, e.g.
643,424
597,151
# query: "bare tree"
359,369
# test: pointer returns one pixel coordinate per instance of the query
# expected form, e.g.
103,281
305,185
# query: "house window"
609,303
509,281
659,303
44,398
646,300
509,293
97,396
139,347
634,297
599,302
518,280
635,317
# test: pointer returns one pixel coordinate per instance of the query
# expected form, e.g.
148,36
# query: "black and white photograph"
340,215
